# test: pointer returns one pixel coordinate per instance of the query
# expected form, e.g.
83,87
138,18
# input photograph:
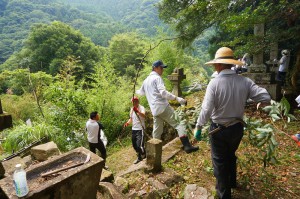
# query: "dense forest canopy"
235,19
98,20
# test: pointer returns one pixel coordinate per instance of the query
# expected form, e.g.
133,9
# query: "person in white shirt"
94,128
137,118
157,96
284,64
224,105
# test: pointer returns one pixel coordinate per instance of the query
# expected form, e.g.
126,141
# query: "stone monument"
5,119
259,72
176,78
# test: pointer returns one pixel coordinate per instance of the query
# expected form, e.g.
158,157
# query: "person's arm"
166,94
259,94
140,112
141,91
207,107
129,120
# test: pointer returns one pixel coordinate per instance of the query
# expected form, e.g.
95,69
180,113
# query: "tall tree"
48,46
192,17
126,49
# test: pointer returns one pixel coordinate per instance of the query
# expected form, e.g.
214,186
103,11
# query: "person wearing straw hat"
224,105
137,118
157,96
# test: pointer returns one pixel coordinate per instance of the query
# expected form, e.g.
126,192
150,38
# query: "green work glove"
197,134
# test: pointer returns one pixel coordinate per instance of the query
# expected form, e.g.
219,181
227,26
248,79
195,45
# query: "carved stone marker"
154,154
176,78
5,119
258,70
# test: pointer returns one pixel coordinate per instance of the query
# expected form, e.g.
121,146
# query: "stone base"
254,68
5,121
261,78
274,90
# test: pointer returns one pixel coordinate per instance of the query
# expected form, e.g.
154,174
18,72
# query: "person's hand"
197,134
135,109
126,124
181,100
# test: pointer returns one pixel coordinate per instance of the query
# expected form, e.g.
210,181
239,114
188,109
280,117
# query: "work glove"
135,109
126,124
197,134
181,100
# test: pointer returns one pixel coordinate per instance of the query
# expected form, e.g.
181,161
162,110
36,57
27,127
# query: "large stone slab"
154,153
9,165
78,182
43,151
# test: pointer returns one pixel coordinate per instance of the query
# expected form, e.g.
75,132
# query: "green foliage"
126,49
110,96
20,107
236,20
23,135
18,16
280,110
50,45
18,81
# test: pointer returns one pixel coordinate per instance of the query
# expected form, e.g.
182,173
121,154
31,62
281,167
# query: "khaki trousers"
168,116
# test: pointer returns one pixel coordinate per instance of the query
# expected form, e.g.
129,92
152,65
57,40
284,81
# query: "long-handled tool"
88,157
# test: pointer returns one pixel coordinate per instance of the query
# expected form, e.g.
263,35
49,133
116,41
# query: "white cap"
18,166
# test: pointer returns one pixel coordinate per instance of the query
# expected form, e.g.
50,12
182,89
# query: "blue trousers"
224,143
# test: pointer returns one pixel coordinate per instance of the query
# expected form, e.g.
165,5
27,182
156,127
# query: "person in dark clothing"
93,128
224,104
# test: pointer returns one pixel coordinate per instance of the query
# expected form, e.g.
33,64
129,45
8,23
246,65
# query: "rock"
106,176
132,194
43,151
122,184
109,191
9,165
169,177
27,160
159,187
192,191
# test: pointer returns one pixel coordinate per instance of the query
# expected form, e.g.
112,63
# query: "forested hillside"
141,15
17,16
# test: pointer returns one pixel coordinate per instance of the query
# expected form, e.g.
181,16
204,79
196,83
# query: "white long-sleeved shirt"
284,62
226,96
157,95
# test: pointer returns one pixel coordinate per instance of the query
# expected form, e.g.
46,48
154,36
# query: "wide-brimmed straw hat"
224,55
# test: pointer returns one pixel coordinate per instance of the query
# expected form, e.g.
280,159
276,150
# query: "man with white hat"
224,105
157,96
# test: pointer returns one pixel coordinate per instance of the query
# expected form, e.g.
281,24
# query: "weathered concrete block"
78,182
154,154
43,151
9,165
